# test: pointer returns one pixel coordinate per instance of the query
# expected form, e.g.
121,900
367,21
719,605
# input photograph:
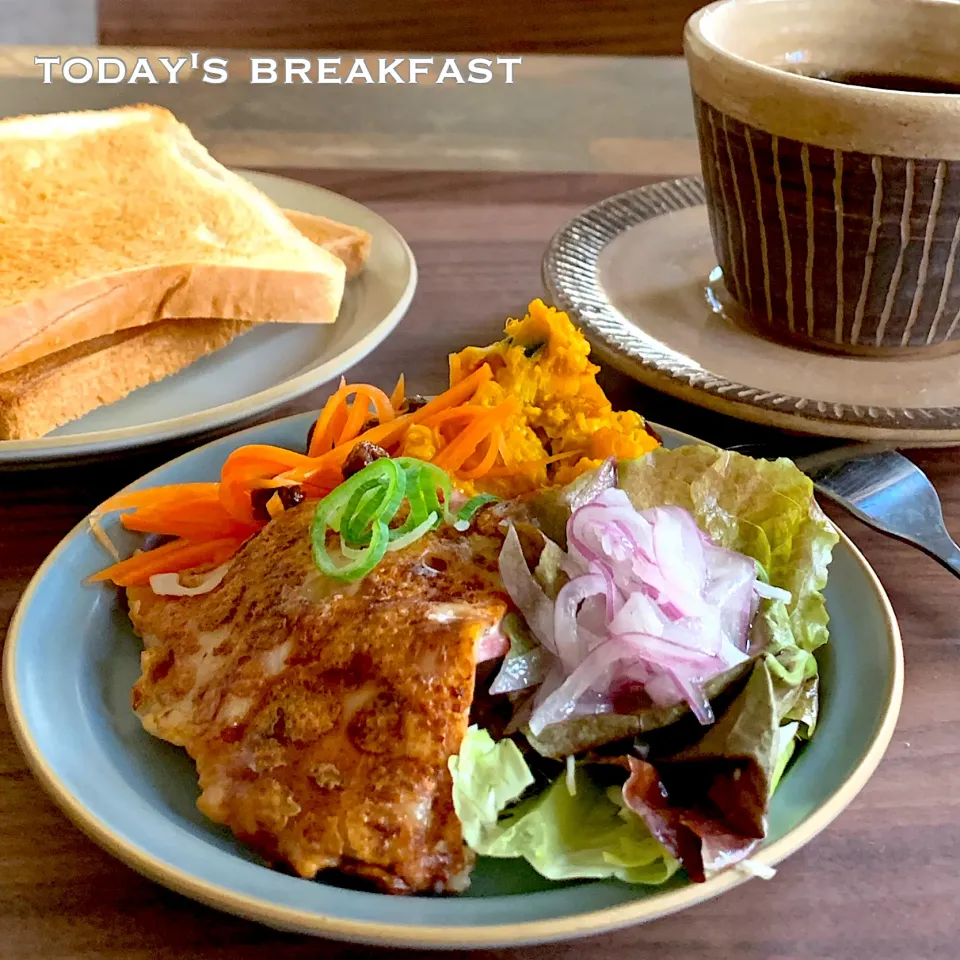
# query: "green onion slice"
469,510
362,508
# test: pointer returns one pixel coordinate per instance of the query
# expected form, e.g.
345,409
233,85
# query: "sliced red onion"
693,693
666,655
652,601
561,703
566,635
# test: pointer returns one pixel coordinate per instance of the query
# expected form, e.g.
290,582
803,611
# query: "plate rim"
569,275
426,936
23,453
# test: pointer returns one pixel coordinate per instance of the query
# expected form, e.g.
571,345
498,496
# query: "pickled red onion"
651,599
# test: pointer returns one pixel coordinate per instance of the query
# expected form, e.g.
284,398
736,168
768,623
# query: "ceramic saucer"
639,274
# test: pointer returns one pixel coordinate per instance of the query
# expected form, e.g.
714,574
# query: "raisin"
411,404
362,455
289,498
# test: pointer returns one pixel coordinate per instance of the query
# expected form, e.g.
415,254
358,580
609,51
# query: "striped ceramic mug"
834,206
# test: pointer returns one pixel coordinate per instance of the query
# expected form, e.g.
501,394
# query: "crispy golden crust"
321,716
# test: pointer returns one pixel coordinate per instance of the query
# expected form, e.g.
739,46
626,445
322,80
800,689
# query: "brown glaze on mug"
834,208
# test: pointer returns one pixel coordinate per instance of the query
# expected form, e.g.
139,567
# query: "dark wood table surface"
882,883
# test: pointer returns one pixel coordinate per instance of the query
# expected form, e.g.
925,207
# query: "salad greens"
587,833
664,790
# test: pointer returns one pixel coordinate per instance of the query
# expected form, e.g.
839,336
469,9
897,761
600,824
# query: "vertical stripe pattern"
743,223
845,250
838,208
877,167
811,243
925,254
782,213
764,258
894,281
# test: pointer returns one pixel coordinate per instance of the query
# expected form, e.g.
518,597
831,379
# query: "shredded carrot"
455,454
399,394
170,558
383,434
488,458
248,464
212,520
454,369
454,414
330,422
360,410
339,421
196,528
174,493
457,394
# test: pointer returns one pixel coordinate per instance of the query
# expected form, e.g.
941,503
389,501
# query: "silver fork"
886,491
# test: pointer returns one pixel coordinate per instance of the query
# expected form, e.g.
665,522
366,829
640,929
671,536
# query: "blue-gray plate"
71,658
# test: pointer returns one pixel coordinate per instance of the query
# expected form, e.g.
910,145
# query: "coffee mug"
829,136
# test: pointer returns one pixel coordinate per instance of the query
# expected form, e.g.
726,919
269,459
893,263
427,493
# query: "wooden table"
881,884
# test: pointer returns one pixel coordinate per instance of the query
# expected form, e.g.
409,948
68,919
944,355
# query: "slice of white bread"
349,244
63,386
118,218
58,388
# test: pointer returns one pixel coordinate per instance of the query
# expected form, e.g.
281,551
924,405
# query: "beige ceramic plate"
272,364
639,273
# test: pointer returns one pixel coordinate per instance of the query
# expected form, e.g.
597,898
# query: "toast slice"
58,388
349,244
63,386
118,218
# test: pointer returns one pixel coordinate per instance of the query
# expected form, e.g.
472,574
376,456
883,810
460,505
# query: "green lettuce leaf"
487,776
587,834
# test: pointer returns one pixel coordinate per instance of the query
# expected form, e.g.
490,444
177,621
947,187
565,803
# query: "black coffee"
907,83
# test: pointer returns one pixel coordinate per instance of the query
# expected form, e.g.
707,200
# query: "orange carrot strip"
399,393
383,435
453,456
454,369
327,427
365,395
456,395
248,464
358,415
185,492
506,454
455,413
187,528
488,459
170,558
386,433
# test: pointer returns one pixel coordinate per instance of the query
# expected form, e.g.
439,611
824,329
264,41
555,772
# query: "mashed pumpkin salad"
565,425
520,415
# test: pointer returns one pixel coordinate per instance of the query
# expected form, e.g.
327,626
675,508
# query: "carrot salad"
522,414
